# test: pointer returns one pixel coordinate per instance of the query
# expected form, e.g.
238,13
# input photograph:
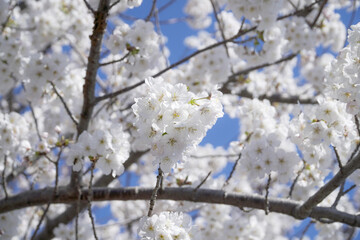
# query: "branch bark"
278,205
93,64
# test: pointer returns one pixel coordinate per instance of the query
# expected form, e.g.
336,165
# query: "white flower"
111,162
166,225
170,120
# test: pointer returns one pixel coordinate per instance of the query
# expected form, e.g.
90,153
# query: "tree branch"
278,205
91,71
70,213
124,90
64,103
151,11
305,209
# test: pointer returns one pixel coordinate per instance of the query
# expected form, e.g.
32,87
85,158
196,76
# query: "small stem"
202,182
112,5
4,178
338,159
89,7
232,171
89,199
115,61
267,195
64,103
306,229
35,120
151,11
41,220
296,179
339,195
155,191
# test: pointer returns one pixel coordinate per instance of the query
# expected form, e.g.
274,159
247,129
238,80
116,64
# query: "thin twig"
352,230
267,195
64,103
112,5
115,61
158,30
221,28
319,13
57,173
89,7
357,125
306,229
353,14
338,159
89,199
41,220
53,195
233,77
296,179
292,4
349,189
29,224
232,170
358,145
4,178
342,193
151,11
202,182
339,195
35,120
77,51
155,191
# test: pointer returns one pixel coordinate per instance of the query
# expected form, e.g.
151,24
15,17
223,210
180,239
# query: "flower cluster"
41,69
167,226
170,119
11,63
342,77
328,124
206,69
141,42
263,11
14,129
109,149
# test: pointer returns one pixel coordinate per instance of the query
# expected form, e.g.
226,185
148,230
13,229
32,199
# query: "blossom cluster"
264,12
342,76
107,148
141,42
266,147
326,125
167,226
170,119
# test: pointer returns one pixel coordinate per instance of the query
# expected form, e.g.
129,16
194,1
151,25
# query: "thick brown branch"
93,64
278,205
100,18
